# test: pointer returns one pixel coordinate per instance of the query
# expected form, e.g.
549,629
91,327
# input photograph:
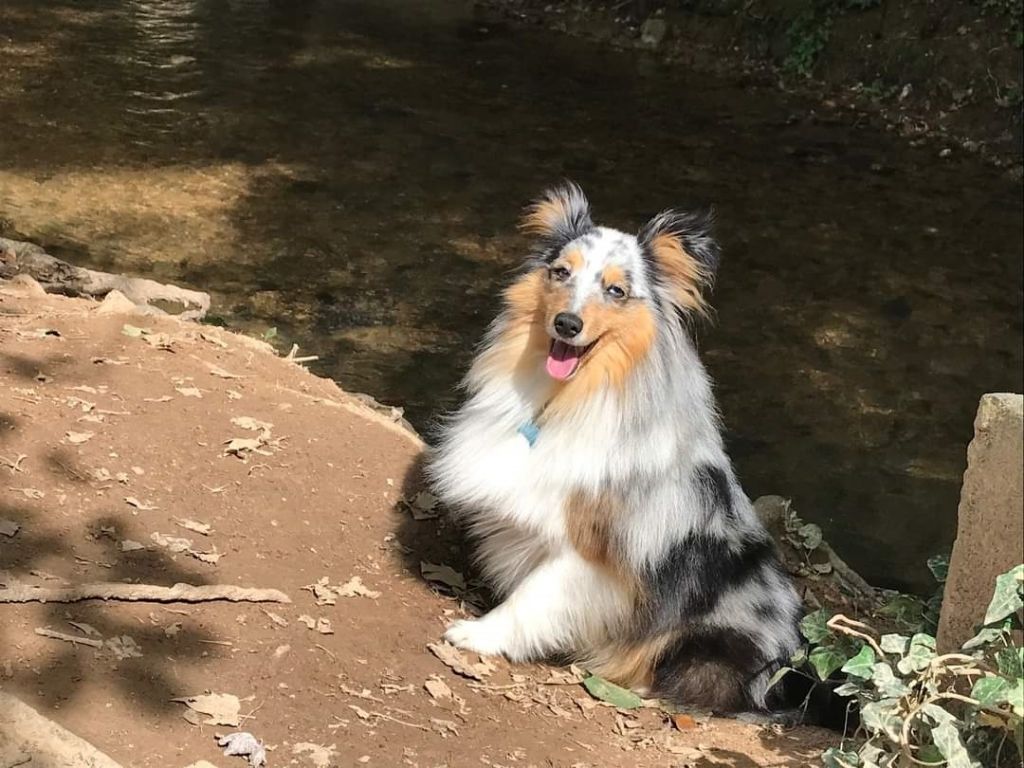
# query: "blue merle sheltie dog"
587,464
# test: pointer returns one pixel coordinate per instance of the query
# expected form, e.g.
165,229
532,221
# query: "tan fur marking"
683,273
632,665
523,345
588,522
614,276
625,334
542,217
572,259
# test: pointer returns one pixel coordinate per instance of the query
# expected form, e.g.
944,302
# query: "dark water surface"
351,172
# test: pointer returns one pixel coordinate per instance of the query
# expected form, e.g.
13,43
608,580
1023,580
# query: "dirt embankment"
146,451
948,70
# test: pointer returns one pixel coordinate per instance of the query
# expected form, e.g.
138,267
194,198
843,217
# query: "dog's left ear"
684,255
560,216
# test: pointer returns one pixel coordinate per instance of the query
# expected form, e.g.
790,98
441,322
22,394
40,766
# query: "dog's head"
595,297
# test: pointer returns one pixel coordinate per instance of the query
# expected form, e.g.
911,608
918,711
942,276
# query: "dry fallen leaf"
9,527
87,629
319,755
443,574
144,506
130,546
220,708
571,676
173,543
444,727
254,425
189,391
162,399
323,626
194,525
123,647
438,688
212,557
423,506
458,663
217,371
276,618
77,438
29,493
683,722
238,446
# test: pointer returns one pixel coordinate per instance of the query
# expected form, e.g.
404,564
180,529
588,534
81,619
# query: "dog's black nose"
568,325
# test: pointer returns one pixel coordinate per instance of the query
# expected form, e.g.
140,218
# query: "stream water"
351,173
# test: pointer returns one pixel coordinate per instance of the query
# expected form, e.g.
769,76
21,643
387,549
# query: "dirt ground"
115,435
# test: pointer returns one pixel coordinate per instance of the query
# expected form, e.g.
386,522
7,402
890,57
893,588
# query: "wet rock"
116,303
652,32
990,528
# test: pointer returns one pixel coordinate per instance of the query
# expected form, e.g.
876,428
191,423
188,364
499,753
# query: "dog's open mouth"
564,359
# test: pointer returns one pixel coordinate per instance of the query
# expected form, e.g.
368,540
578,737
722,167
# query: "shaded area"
351,174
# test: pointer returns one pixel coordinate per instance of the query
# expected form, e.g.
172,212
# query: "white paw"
479,635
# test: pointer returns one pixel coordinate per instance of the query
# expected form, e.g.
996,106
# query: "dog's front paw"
479,635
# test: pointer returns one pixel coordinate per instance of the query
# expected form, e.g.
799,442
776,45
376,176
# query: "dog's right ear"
560,216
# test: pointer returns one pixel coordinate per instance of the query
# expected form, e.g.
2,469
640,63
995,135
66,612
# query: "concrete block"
990,519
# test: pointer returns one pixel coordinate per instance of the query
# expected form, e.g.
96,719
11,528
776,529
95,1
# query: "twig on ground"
55,635
834,623
179,593
14,466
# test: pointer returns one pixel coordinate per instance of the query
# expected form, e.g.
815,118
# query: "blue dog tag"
530,431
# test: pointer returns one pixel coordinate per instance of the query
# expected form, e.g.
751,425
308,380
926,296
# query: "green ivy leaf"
862,665
894,643
814,626
848,689
601,689
947,739
920,654
938,715
270,334
1016,726
887,684
939,566
929,753
990,690
871,756
780,673
1009,663
1016,698
810,535
879,717
986,636
906,610
1007,599
834,757
826,660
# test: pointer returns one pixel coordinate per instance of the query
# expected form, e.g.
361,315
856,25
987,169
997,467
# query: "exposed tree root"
56,276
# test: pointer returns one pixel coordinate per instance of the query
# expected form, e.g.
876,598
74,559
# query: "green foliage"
806,37
601,689
912,700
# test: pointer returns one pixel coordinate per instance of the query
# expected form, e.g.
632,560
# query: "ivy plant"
922,708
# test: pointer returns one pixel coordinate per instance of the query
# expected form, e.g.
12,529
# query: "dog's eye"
615,292
561,274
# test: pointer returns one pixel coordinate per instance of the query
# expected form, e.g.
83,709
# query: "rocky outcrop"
990,528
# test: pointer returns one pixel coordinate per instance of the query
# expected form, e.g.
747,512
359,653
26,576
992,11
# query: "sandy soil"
110,437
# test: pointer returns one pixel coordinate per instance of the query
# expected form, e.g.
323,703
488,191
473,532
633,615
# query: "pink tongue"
562,360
